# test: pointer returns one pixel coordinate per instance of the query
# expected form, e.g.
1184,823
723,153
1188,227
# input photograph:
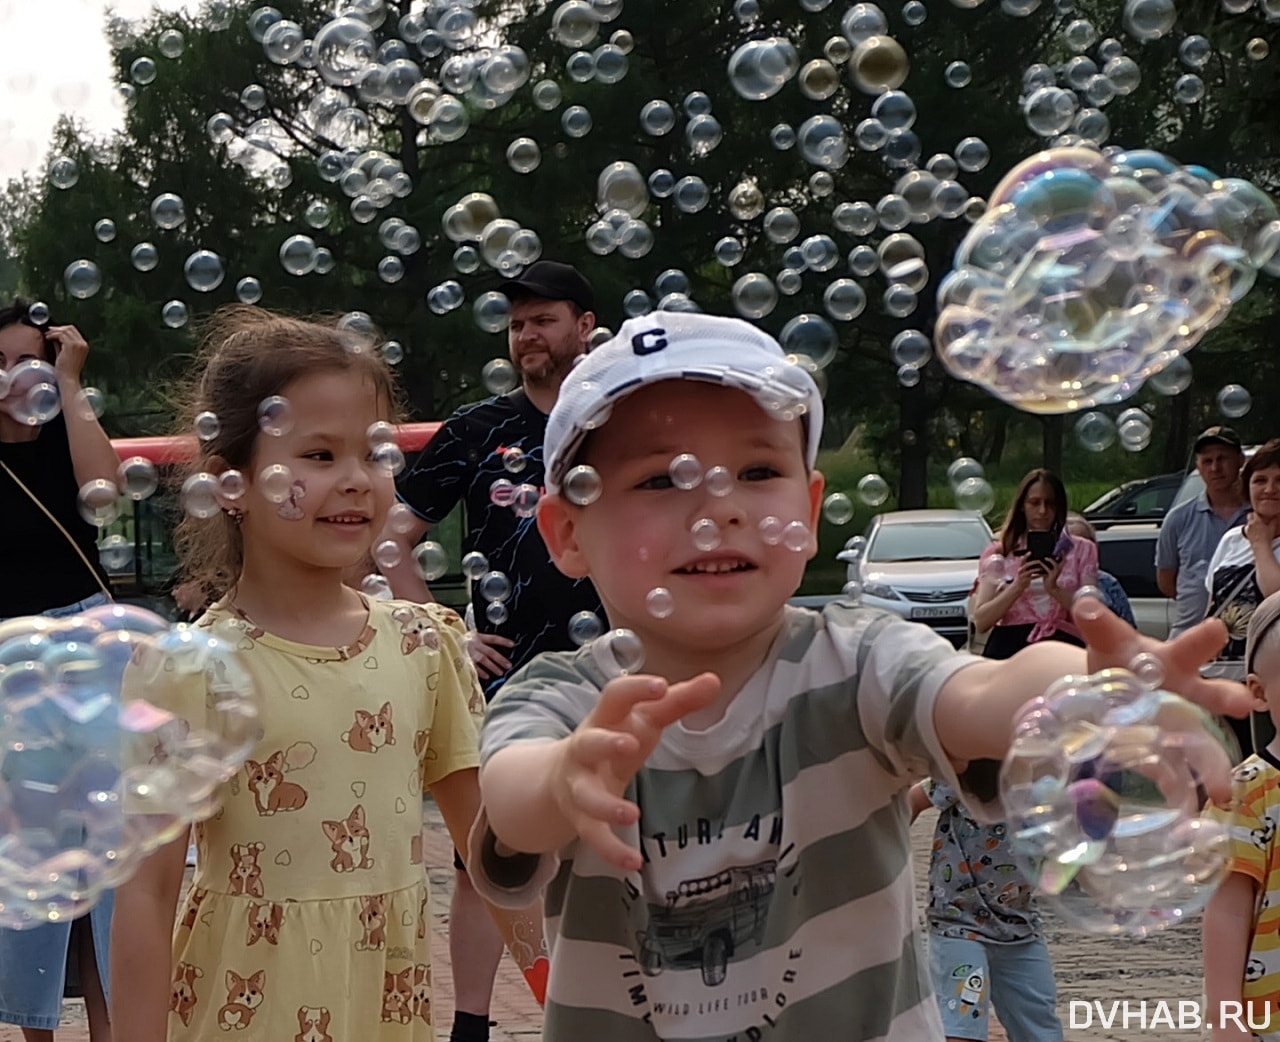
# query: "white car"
921,564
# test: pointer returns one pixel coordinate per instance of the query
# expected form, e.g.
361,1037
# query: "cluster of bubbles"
970,486
1091,271
117,732
1100,790
1098,431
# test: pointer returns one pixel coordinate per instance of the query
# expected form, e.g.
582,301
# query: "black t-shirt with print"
462,462
42,569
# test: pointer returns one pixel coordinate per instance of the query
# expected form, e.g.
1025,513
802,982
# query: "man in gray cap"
1191,530
490,445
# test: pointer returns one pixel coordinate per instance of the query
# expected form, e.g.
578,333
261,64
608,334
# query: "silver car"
920,564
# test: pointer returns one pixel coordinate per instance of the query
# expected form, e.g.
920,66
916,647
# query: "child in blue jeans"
985,942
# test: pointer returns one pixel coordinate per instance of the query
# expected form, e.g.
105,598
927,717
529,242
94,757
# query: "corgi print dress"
309,916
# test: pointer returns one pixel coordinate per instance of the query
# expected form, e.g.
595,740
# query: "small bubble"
1234,401
376,587
771,530
231,484
275,417
685,471
873,490
796,537
513,459
276,482
387,554
200,495
474,564
1148,669
494,586
582,485
659,602
430,560
837,508
207,426
585,627
705,533
623,651
719,481
99,502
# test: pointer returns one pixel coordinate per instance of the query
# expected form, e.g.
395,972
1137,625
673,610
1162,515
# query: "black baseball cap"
1218,436
554,281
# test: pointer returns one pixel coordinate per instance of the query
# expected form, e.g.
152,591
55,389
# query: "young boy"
728,831
1241,951
986,947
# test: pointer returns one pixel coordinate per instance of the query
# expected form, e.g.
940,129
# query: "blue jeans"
970,976
33,963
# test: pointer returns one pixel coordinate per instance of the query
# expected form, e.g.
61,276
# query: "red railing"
170,449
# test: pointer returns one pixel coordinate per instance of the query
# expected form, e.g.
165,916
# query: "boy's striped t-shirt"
776,901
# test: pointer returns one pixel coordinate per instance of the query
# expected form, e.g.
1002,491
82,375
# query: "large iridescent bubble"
1101,792
115,733
1089,273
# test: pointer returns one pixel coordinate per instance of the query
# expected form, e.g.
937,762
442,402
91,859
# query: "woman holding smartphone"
1029,575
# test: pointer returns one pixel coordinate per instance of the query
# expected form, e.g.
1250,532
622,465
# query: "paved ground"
1089,969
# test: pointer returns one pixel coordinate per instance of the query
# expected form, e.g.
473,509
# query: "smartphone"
1040,545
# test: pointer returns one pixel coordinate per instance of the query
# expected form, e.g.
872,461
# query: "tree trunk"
912,436
1178,441
1051,427
999,420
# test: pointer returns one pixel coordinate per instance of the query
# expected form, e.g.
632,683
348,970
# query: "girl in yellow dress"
308,918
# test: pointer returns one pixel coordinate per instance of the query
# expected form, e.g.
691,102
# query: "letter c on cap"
649,341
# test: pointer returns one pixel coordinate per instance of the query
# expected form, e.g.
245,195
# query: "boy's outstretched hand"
1113,643
598,761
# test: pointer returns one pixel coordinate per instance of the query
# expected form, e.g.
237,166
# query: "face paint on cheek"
289,509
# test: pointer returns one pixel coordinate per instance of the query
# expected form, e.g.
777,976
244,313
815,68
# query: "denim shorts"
33,963
969,977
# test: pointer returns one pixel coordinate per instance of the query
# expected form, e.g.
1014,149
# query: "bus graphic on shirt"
707,919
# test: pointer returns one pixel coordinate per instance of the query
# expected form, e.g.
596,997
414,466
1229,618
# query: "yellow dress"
308,919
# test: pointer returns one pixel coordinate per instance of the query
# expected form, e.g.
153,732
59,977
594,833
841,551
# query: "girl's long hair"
248,354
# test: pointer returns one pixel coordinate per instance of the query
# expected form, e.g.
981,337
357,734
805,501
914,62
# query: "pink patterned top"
1035,606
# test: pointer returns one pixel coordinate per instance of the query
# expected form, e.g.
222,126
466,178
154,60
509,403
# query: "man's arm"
1167,560
1167,580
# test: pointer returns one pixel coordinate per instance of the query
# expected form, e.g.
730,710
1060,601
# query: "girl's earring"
235,513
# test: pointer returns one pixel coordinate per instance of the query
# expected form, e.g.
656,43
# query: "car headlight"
882,590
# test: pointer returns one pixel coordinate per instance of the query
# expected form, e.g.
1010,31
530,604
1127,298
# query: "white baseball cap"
677,345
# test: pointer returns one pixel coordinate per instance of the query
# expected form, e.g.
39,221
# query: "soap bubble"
31,395
203,270
705,534
248,290
582,485
1148,20
99,502
494,586
82,278
116,554
38,314
758,69
962,469
685,471
275,482
1173,379
620,652
144,256
1234,401
137,477
878,63
796,536
104,230
199,495
345,51
976,494
837,508
1088,273
659,602
499,376
812,337
524,155
1095,431
430,560
64,172
174,314
275,416
118,732
584,627
168,211
873,490
387,554
1101,794
298,254
142,71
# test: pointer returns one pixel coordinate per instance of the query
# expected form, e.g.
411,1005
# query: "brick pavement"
1088,967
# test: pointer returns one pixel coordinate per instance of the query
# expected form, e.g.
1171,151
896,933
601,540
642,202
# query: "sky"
54,58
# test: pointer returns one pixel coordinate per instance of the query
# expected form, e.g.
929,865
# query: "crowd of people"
672,823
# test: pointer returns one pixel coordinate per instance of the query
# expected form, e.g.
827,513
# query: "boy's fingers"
1199,644
594,801
600,837
1218,696
1106,634
683,698
1211,764
622,695
594,746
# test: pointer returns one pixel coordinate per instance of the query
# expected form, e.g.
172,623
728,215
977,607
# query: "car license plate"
941,611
